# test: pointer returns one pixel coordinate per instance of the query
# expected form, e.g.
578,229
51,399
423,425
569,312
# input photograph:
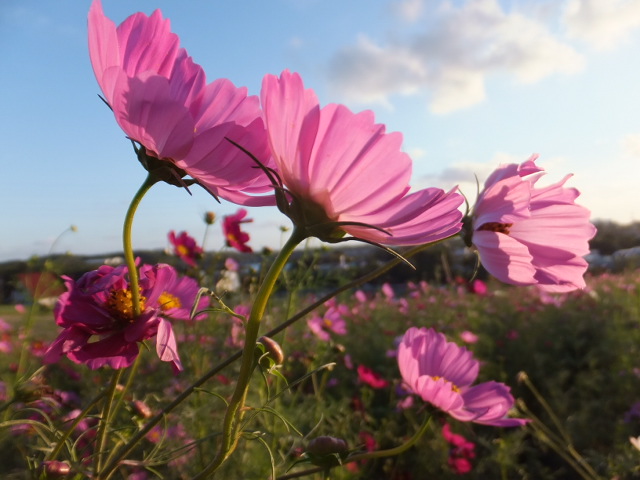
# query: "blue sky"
470,84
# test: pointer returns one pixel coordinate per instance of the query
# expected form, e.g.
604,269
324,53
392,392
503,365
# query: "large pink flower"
341,173
442,373
161,100
98,321
531,236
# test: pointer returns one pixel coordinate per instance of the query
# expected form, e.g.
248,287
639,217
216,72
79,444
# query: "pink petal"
505,257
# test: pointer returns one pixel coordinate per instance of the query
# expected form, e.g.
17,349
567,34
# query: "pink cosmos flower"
332,321
185,247
98,321
234,236
339,173
442,374
161,100
531,236
371,378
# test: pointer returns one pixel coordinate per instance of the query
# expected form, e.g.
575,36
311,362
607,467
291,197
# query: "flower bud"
55,469
141,409
209,218
326,445
272,349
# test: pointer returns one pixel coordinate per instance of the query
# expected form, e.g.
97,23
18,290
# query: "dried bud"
32,389
209,218
55,469
272,349
141,409
326,445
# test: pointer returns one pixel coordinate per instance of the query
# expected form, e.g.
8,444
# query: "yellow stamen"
453,387
120,304
168,301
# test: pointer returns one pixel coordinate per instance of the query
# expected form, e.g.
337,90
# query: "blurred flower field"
570,360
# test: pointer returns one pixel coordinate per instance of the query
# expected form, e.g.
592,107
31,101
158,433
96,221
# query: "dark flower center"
496,227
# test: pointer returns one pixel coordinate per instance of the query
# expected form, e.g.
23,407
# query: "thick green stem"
233,415
127,243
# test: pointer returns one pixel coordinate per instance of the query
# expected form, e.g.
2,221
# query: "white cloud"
602,23
452,57
409,10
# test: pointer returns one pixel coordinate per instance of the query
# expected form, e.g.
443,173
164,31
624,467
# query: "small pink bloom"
234,236
468,337
231,265
20,308
387,291
161,100
332,321
340,172
442,374
531,236
185,247
371,378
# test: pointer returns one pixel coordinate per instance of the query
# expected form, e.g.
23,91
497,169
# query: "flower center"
453,387
168,301
120,304
182,250
496,227
327,323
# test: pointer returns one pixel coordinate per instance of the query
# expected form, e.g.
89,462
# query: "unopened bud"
272,349
209,218
141,409
326,445
55,469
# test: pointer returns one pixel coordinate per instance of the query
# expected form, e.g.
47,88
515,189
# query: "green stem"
233,415
127,243
104,419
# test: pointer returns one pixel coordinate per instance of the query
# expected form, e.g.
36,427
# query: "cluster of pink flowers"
99,323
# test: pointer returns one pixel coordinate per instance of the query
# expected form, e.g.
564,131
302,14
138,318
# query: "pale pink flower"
531,236
442,373
331,322
161,100
339,173
468,337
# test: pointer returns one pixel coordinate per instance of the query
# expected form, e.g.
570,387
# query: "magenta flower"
235,237
441,373
371,378
340,173
531,236
461,451
161,100
185,247
97,316
332,321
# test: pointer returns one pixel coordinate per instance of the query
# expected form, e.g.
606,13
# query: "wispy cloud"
452,57
603,24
